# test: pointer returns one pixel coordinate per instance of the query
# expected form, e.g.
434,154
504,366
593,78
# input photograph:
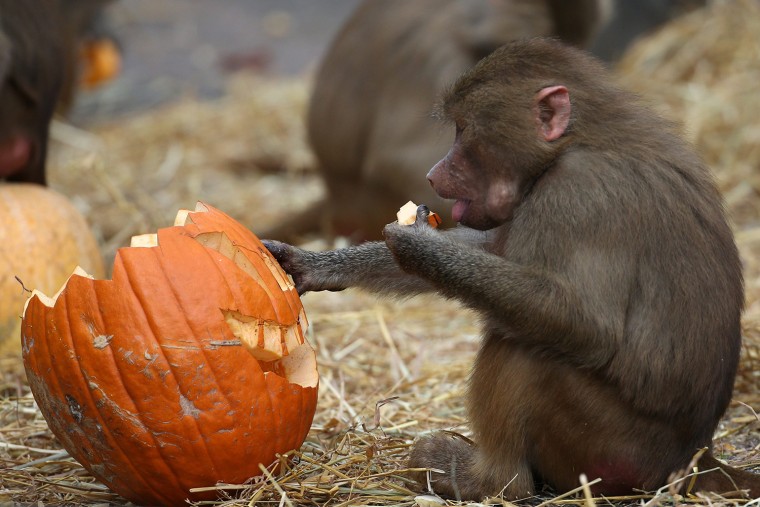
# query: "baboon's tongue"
459,209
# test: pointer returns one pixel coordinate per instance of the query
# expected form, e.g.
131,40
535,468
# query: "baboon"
594,244
39,49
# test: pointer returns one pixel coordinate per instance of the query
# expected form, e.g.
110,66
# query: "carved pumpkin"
42,239
188,368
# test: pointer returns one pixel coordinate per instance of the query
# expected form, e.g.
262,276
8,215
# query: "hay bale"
703,70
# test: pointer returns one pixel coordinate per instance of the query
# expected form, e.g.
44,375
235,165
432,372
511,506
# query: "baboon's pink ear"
552,107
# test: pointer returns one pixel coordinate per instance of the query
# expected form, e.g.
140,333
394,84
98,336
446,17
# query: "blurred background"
175,48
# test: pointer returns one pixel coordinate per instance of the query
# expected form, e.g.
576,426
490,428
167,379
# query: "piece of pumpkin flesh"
407,215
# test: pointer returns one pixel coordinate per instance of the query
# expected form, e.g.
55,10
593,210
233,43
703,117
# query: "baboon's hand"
408,243
295,263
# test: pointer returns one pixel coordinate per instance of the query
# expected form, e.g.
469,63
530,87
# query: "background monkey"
39,53
595,246
369,118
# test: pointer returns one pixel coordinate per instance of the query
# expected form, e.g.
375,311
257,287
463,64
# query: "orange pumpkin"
42,239
188,368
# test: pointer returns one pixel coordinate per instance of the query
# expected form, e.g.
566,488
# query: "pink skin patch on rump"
619,477
459,209
15,153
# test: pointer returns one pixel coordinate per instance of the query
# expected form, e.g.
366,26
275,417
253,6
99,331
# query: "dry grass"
389,371
245,153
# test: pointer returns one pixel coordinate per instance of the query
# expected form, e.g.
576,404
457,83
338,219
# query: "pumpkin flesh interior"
266,340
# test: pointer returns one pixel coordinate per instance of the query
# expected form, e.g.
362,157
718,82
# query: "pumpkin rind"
142,380
42,239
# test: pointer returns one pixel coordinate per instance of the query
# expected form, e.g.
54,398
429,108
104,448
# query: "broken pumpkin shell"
188,368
